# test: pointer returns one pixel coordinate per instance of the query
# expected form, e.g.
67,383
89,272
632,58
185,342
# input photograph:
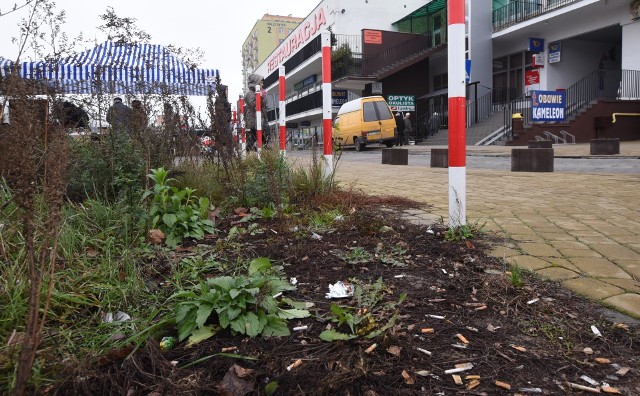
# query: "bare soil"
533,339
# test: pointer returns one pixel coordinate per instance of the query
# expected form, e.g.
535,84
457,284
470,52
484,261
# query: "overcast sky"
217,27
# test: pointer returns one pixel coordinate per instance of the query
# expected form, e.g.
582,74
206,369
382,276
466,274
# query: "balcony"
523,10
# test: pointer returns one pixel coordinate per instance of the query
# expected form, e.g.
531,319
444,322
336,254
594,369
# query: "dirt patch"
462,311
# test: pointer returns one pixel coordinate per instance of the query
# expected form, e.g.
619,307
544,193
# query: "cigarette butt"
457,379
371,348
459,368
623,371
609,389
535,300
473,384
461,338
424,351
519,348
503,385
472,329
474,304
294,364
437,300
481,308
229,349
436,316
602,360
300,328
584,388
427,330
472,377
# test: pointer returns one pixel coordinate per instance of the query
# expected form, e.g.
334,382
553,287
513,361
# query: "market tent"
113,68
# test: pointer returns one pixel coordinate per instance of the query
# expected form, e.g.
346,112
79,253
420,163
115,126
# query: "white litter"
596,331
118,317
589,380
299,328
316,236
340,290
293,281
535,300
436,316
424,351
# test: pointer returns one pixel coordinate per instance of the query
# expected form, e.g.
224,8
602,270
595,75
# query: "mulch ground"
461,311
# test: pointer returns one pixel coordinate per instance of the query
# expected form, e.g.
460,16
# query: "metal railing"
522,10
387,59
601,84
480,109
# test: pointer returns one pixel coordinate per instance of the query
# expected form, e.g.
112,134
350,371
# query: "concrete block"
605,146
395,156
439,158
532,160
540,144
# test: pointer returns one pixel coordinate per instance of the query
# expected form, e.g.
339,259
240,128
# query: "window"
369,112
383,110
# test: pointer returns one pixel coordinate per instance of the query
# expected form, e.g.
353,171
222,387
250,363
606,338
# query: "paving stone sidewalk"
580,229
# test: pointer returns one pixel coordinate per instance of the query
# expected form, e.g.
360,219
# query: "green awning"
428,9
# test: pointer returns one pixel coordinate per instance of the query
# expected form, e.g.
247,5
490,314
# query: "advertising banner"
548,105
402,102
555,50
338,97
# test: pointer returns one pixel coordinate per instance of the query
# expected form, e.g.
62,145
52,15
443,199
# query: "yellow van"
364,121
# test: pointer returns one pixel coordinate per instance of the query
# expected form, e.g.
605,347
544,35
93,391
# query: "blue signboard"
548,105
338,97
467,67
554,52
536,44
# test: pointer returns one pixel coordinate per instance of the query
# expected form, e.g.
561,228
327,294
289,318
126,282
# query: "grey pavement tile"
592,288
628,302
599,268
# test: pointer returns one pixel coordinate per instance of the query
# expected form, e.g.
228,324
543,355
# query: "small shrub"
243,303
516,277
178,213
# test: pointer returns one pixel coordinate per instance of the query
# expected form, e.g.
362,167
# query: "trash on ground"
602,360
427,330
167,343
294,365
316,236
503,385
424,351
596,331
300,328
229,349
436,316
462,338
118,317
535,300
583,388
459,368
623,371
340,290
530,390
473,384
457,379
609,389
371,348
589,380
423,373
588,351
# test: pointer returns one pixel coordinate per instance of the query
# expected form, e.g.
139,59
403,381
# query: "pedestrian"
119,116
400,128
407,127
433,125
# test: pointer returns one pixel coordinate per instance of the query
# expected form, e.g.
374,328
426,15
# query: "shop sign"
402,102
548,105
555,50
339,97
536,44
531,77
305,123
307,82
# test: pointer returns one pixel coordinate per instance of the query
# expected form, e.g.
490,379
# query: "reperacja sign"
402,102
372,36
548,105
297,39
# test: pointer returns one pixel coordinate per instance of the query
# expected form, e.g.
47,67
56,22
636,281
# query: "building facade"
267,33
512,48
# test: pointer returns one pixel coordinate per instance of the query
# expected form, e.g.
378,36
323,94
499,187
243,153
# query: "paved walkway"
582,229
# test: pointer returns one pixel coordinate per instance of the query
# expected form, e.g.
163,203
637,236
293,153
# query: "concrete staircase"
475,133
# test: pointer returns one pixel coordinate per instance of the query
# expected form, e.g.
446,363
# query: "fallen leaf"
519,348
91,252
240,211
394,350
470,245
234,385
408,378
609,389
156,236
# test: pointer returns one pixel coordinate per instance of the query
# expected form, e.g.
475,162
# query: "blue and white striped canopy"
112,68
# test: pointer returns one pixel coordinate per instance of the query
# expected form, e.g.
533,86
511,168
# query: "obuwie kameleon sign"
548,105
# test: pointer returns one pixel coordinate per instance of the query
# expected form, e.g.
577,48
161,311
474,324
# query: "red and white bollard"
327,130
258,120
282,111
457,113
243,135
234,128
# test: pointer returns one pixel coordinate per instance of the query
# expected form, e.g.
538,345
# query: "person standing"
407,127
400,129
119,116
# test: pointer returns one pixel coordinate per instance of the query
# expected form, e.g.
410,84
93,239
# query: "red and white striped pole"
258,119
282,111
235,128
457,113
243,135
326,103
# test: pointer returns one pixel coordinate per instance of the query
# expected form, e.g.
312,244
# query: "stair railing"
566,135
480,109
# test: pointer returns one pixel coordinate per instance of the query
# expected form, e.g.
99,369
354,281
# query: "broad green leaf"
233,312
269,304
223,319
270,388
260,264
204,311
332,335
252,324
169,219
278,285
233,293
201,334
182,310
186,327
275,327
293,313
225,283
297,304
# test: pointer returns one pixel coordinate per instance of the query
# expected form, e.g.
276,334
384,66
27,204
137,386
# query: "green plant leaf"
169,219
250,322
224,283
200,335
269,304
332,335
204,311
293,313
297,304
261,264
270,388
275,327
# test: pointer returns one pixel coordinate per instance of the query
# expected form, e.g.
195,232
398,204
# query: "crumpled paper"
340,290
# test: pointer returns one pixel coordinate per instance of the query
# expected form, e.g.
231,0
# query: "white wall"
480,48
371,14
631,46
578,58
